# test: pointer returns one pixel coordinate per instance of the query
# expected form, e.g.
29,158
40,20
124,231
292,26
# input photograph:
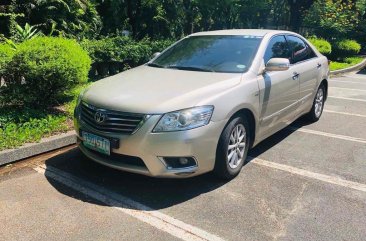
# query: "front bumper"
199,143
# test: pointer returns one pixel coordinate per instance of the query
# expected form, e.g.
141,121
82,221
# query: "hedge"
6,54
346,48
41,69
114,54
323,46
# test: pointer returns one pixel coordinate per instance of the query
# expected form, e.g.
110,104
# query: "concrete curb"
349,69
32,149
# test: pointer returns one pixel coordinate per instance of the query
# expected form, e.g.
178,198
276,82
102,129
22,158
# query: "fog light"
183,161
179,162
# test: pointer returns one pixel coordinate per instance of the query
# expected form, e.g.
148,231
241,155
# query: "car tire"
232,148
318,105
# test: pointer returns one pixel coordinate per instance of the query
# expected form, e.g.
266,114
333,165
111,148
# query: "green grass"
19,126
25,125
347,62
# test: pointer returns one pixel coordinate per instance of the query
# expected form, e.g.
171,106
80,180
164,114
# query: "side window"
300,50
277,48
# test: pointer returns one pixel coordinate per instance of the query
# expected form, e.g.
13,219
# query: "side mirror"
278,64
155,55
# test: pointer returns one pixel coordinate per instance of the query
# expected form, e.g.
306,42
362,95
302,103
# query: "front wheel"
232,148
318,105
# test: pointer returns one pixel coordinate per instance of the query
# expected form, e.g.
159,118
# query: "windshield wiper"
155,65
189,68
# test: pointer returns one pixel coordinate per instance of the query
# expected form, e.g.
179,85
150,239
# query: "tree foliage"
69,18
337,18
158,19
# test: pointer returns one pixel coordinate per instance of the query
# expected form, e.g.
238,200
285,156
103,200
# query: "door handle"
319,66
295,76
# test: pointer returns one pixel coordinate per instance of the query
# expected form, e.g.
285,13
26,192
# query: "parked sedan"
200,105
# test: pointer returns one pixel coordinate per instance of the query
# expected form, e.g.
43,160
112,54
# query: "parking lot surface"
307,182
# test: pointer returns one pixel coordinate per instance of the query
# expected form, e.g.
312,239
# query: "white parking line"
345,81
318,176
344,113
341,88
137,210
320,133
345,98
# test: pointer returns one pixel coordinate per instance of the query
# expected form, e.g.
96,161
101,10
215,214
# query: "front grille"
113,121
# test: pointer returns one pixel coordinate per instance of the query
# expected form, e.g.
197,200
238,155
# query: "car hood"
151,90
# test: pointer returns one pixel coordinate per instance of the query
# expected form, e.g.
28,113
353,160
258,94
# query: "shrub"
6,54
105,50
322,45
158,45
42,69
123,49
346,48
110,55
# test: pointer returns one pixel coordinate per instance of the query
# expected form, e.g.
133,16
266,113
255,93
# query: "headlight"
185,119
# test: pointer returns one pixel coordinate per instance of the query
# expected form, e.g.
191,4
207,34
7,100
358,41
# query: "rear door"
279,90
306,65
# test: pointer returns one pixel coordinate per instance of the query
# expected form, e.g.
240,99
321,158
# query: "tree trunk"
295,15
188,25
297,8
133,13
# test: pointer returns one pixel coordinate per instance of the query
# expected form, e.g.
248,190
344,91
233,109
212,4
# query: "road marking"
346,89
320,133
345,81
345,98
128,206
344,113
318,176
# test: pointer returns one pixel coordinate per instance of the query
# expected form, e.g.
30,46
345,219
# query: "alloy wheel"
319,102
236,148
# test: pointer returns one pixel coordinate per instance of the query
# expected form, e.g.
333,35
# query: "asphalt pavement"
307,182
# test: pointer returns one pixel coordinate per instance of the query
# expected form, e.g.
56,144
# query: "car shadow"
155,193
277,138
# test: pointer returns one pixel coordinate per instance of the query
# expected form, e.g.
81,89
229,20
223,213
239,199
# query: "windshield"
229,54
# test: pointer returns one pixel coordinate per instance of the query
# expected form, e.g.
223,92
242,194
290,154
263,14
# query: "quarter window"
277,48
300,50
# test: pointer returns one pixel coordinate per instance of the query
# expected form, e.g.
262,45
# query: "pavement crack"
296,207
278,216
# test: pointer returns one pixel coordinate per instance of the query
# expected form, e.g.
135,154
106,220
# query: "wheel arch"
325,83
245,112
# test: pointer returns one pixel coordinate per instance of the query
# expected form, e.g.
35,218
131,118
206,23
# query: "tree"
333,18
70,18
297,10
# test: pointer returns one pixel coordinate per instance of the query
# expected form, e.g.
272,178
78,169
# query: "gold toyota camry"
201,104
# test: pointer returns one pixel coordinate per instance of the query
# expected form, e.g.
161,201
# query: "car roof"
250,32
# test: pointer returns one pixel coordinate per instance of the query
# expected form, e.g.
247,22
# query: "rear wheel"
232,148
318,105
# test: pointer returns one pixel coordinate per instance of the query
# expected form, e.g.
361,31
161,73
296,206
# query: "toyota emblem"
99,117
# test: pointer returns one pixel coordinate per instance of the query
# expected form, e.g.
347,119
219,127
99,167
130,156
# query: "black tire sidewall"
222,168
